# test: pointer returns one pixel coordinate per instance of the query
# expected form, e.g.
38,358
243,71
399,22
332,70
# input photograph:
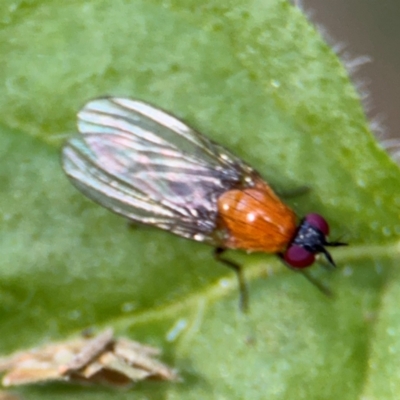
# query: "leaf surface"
256,77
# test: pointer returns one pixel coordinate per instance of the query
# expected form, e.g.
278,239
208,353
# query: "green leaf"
257,77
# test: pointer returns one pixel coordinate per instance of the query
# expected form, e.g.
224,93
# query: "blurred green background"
367,28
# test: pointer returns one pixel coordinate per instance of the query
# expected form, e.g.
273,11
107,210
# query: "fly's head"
309,240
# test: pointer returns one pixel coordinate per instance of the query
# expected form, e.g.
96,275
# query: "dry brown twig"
102,359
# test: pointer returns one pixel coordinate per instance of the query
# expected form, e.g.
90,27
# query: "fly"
150,167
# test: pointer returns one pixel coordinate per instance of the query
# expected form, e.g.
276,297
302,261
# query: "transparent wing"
150,167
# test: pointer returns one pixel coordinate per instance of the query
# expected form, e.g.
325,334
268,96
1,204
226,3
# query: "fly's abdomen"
255,219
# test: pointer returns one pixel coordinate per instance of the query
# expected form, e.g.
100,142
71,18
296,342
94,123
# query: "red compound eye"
318,222
298,257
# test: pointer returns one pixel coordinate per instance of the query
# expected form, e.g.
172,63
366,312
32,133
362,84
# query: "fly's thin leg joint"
244,295
296,192
319,285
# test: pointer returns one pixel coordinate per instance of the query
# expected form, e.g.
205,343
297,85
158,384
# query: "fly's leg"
319,285
299,191
131,224
244,295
